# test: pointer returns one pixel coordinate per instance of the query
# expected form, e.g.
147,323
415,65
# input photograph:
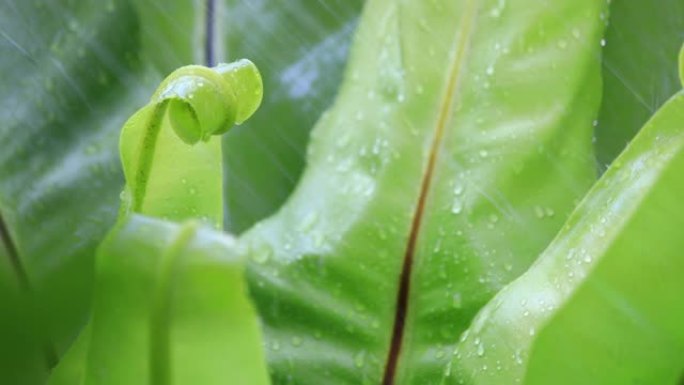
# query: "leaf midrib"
463,34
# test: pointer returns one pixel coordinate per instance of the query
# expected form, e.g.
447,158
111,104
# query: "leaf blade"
330,259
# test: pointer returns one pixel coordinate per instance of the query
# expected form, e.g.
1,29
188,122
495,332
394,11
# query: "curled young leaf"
170,153
209,101
171,174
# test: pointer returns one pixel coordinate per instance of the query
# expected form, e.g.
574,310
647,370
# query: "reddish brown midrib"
405,278
462,39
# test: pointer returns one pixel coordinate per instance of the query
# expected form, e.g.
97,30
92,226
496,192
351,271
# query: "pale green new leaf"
170,151
170,306
172,163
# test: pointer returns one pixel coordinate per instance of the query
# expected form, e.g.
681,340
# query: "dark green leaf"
72,71
639,69
300,46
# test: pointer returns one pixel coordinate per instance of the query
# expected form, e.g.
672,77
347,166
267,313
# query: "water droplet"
518,357
457,206
539,211
296,341
359,359
562,43
457,300
262,254
484,153
464,336
576,33
308,222
603,42
480,350
490,70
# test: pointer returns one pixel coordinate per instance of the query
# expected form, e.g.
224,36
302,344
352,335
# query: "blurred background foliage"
72,71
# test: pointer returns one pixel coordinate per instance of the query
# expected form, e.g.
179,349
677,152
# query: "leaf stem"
444,113
160,319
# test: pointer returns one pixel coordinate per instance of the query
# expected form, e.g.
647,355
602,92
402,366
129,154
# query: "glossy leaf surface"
73,71
603,304
459,141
